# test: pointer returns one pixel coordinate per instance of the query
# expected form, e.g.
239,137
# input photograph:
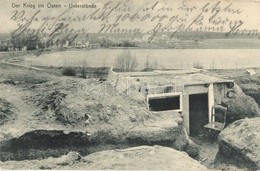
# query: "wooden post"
186,113
210,100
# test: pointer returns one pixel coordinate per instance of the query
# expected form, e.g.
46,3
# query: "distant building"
66,44
87,44
79,45
24,48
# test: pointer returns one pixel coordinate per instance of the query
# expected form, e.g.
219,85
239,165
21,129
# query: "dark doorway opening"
164,103
198,109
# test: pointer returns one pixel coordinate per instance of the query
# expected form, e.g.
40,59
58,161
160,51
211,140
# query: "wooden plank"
196,89
186,113
219,92
211,100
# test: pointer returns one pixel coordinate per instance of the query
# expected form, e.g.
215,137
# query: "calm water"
162,58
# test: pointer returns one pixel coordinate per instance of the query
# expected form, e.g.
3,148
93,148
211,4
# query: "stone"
143,158
239,144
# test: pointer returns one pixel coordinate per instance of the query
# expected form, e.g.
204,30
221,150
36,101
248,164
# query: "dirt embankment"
6,111
142,157
241,106
53,109
55,115
250,85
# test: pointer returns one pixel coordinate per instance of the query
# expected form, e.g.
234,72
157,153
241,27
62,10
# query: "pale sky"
250,13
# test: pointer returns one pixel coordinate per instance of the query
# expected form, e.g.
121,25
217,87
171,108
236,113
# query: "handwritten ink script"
59,21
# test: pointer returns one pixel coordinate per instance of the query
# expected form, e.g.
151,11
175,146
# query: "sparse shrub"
197,65
38,53
148,66
83,68
126,62
68,71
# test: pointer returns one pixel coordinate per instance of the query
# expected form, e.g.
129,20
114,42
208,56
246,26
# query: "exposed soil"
44,115
145,157
6,111
209,148
52,117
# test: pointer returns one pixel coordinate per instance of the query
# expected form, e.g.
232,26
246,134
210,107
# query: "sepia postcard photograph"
130,85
